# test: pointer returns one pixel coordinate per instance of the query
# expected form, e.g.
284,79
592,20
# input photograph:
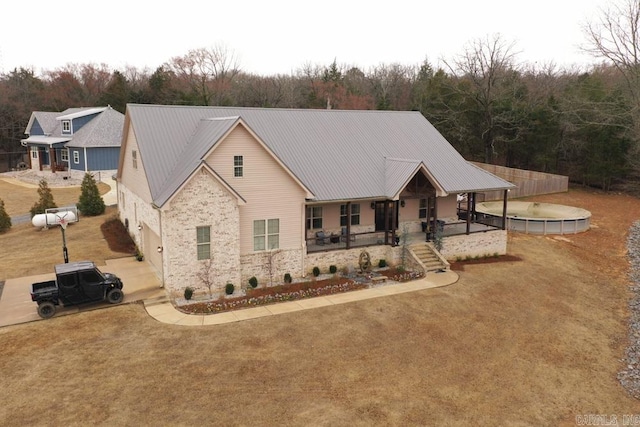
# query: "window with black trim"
314,217
355,214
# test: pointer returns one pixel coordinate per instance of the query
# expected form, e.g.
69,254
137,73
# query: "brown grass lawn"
529,342
18,199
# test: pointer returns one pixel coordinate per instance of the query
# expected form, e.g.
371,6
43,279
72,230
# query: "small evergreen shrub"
188,293
401,269
90,202
382,263
45,201
316,271
253,282
333,269
229,288
287,278
5,219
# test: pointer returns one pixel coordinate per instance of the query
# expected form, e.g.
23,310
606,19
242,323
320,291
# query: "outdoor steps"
427,255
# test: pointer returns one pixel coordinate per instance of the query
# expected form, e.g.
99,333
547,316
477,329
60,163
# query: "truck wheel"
115,296
46,309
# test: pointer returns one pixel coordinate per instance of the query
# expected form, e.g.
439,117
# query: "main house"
262,192
77,139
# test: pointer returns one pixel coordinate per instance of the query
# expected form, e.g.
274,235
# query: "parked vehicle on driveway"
76,283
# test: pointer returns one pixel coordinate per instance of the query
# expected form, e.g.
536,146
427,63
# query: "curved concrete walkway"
163,311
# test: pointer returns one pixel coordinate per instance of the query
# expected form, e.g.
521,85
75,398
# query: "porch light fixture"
139,226
160,249
373,205
402,203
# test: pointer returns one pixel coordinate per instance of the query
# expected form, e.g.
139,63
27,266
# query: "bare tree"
615,38
488,66
209,72
205,275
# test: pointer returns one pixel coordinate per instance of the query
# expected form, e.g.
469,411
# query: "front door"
381,225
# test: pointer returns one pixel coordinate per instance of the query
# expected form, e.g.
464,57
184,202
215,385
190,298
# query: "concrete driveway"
139,279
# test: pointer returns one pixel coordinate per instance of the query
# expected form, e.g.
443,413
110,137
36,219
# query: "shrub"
229,288
316,271
90,202
5,219
382,263
188,293
253,282
46,199
287,278
333,269
400,269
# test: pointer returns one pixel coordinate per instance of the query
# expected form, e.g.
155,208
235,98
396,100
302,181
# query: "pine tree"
46,199
5,220
90,203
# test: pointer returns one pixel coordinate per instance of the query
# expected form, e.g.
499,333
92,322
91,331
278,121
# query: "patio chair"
343,235
321,238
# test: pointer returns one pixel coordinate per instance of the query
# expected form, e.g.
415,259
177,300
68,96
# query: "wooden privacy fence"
528,183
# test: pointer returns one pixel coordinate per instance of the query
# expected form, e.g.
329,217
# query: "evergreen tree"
5,220
90,203
46,199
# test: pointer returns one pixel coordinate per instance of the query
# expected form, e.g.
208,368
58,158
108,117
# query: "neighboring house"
77,139
263,192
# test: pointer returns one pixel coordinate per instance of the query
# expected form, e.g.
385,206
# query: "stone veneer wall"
284,261
202,202
475,244
350,258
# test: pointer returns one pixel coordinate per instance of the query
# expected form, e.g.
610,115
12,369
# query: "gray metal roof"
105,130
336,154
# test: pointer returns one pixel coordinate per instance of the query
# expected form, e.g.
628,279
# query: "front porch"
332,242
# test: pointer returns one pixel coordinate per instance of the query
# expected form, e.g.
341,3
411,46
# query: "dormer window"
66,126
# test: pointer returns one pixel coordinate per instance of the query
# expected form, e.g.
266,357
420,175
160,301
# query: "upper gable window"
66,126
134,158
238,165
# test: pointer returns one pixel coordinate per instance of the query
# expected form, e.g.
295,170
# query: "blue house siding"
36,129
81,121
103,158
80,155
99,158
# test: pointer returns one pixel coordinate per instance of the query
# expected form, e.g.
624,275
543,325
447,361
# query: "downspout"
348,236
504,210
85,160
161,245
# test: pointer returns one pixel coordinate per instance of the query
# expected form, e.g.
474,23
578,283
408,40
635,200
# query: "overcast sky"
280,36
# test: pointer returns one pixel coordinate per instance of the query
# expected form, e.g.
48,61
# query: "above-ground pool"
539,218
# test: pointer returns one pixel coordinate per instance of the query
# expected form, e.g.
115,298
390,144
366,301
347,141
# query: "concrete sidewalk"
165,312
139,279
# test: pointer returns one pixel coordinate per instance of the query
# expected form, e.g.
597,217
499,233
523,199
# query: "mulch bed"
459,265
117,236
290,292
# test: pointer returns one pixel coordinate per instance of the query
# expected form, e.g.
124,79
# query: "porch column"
504,210
348,236
434,224
386,222
469,213
393,222
52,159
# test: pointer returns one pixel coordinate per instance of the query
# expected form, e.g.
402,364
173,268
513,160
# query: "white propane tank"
51,219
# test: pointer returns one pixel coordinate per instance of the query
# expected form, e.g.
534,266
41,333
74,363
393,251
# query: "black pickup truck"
76,283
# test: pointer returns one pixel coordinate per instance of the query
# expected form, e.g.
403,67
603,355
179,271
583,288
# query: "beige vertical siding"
134,179
270,192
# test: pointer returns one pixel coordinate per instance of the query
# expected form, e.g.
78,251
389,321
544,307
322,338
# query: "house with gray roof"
263,192
77,139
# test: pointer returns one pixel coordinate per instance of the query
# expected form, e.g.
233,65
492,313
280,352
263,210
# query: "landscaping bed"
295,291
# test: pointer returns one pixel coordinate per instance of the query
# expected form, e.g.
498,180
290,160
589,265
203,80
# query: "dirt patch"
459,265
117,237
